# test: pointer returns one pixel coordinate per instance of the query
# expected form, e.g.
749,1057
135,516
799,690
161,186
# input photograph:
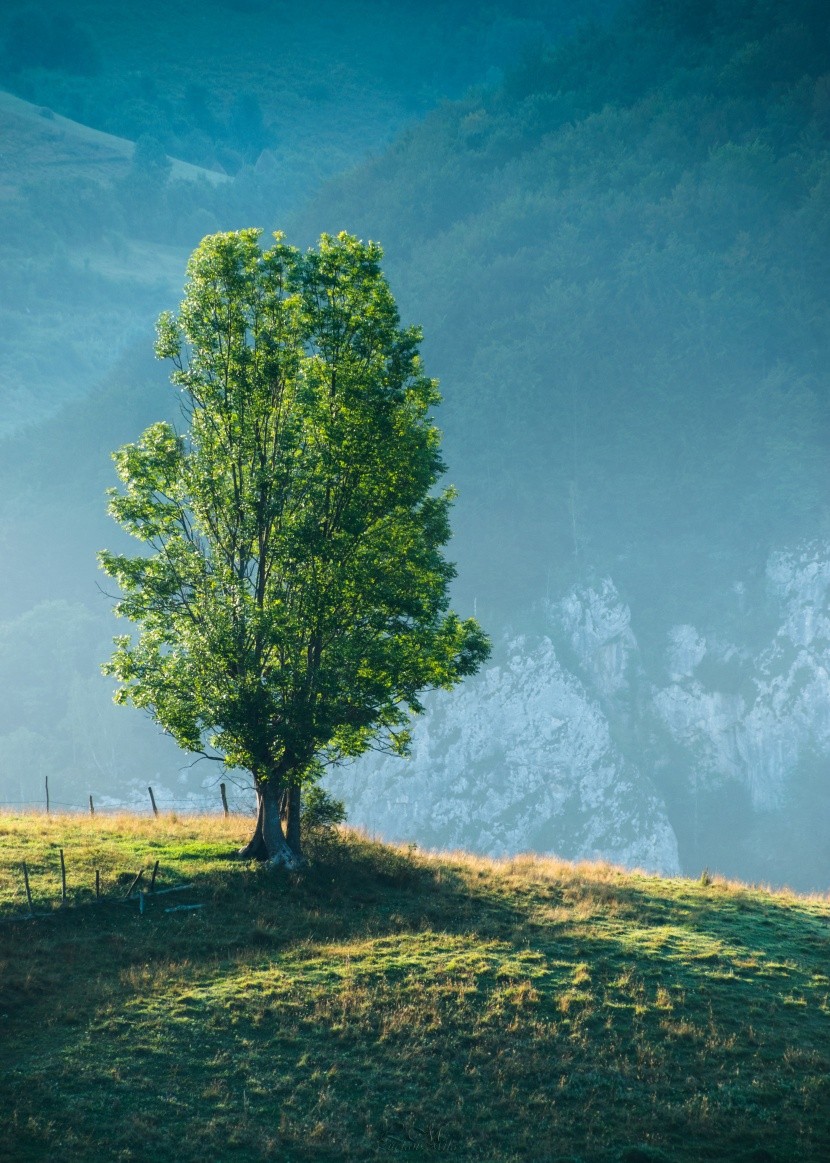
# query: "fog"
612,221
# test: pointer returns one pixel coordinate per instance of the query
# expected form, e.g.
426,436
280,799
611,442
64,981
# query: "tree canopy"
295,602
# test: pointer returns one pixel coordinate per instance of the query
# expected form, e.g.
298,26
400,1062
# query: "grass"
387,1003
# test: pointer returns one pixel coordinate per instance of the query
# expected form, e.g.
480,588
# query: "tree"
295,603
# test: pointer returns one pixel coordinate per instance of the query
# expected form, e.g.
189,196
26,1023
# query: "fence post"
134,885
47,795
91,807
28,890
153,876
153,801
97,884
63,880
224,799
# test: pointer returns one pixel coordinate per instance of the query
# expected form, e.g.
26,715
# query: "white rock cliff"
519,758
534,755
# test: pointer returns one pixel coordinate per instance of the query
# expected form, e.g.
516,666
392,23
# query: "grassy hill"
388,1003
38,143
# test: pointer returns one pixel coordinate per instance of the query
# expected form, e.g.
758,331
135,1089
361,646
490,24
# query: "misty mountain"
619,260
617,249
98,211
219,84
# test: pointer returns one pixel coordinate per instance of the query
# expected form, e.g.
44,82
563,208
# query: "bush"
320,809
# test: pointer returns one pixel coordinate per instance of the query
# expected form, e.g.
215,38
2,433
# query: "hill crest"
388,1001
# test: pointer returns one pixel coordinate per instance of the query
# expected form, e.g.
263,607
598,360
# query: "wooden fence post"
224,799
91,807
134,885
63,880
28,890
153,801
153,876
97,884
47,795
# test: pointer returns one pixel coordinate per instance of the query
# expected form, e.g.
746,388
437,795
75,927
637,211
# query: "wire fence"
217,804
150,803
55,897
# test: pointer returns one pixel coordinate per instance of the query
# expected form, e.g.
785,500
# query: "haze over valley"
612,221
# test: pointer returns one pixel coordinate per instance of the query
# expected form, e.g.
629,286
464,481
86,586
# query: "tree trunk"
281,852
278,813
293,822
255,848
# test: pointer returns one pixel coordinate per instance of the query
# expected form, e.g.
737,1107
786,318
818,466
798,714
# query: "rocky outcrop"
558,749
518,759
597,624
778,708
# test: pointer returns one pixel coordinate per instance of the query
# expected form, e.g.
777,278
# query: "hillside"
37,141
317,86
390,1003
617,259
83,280
95,215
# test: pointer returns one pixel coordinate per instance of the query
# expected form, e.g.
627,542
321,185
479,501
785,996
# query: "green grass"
389,1004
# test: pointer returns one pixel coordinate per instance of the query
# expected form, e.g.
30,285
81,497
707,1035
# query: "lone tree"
294,606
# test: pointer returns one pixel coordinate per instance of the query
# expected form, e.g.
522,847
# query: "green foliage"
320,809
385,1004
150,159
295,602
247,126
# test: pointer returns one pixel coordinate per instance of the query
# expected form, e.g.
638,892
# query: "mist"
612,222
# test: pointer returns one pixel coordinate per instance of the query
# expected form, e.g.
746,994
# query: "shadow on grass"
379,1004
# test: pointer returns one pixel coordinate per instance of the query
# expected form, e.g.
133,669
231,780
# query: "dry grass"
394,1003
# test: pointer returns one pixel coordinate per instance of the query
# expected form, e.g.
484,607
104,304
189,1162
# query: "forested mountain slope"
278,97
618,255
620,261
219,83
